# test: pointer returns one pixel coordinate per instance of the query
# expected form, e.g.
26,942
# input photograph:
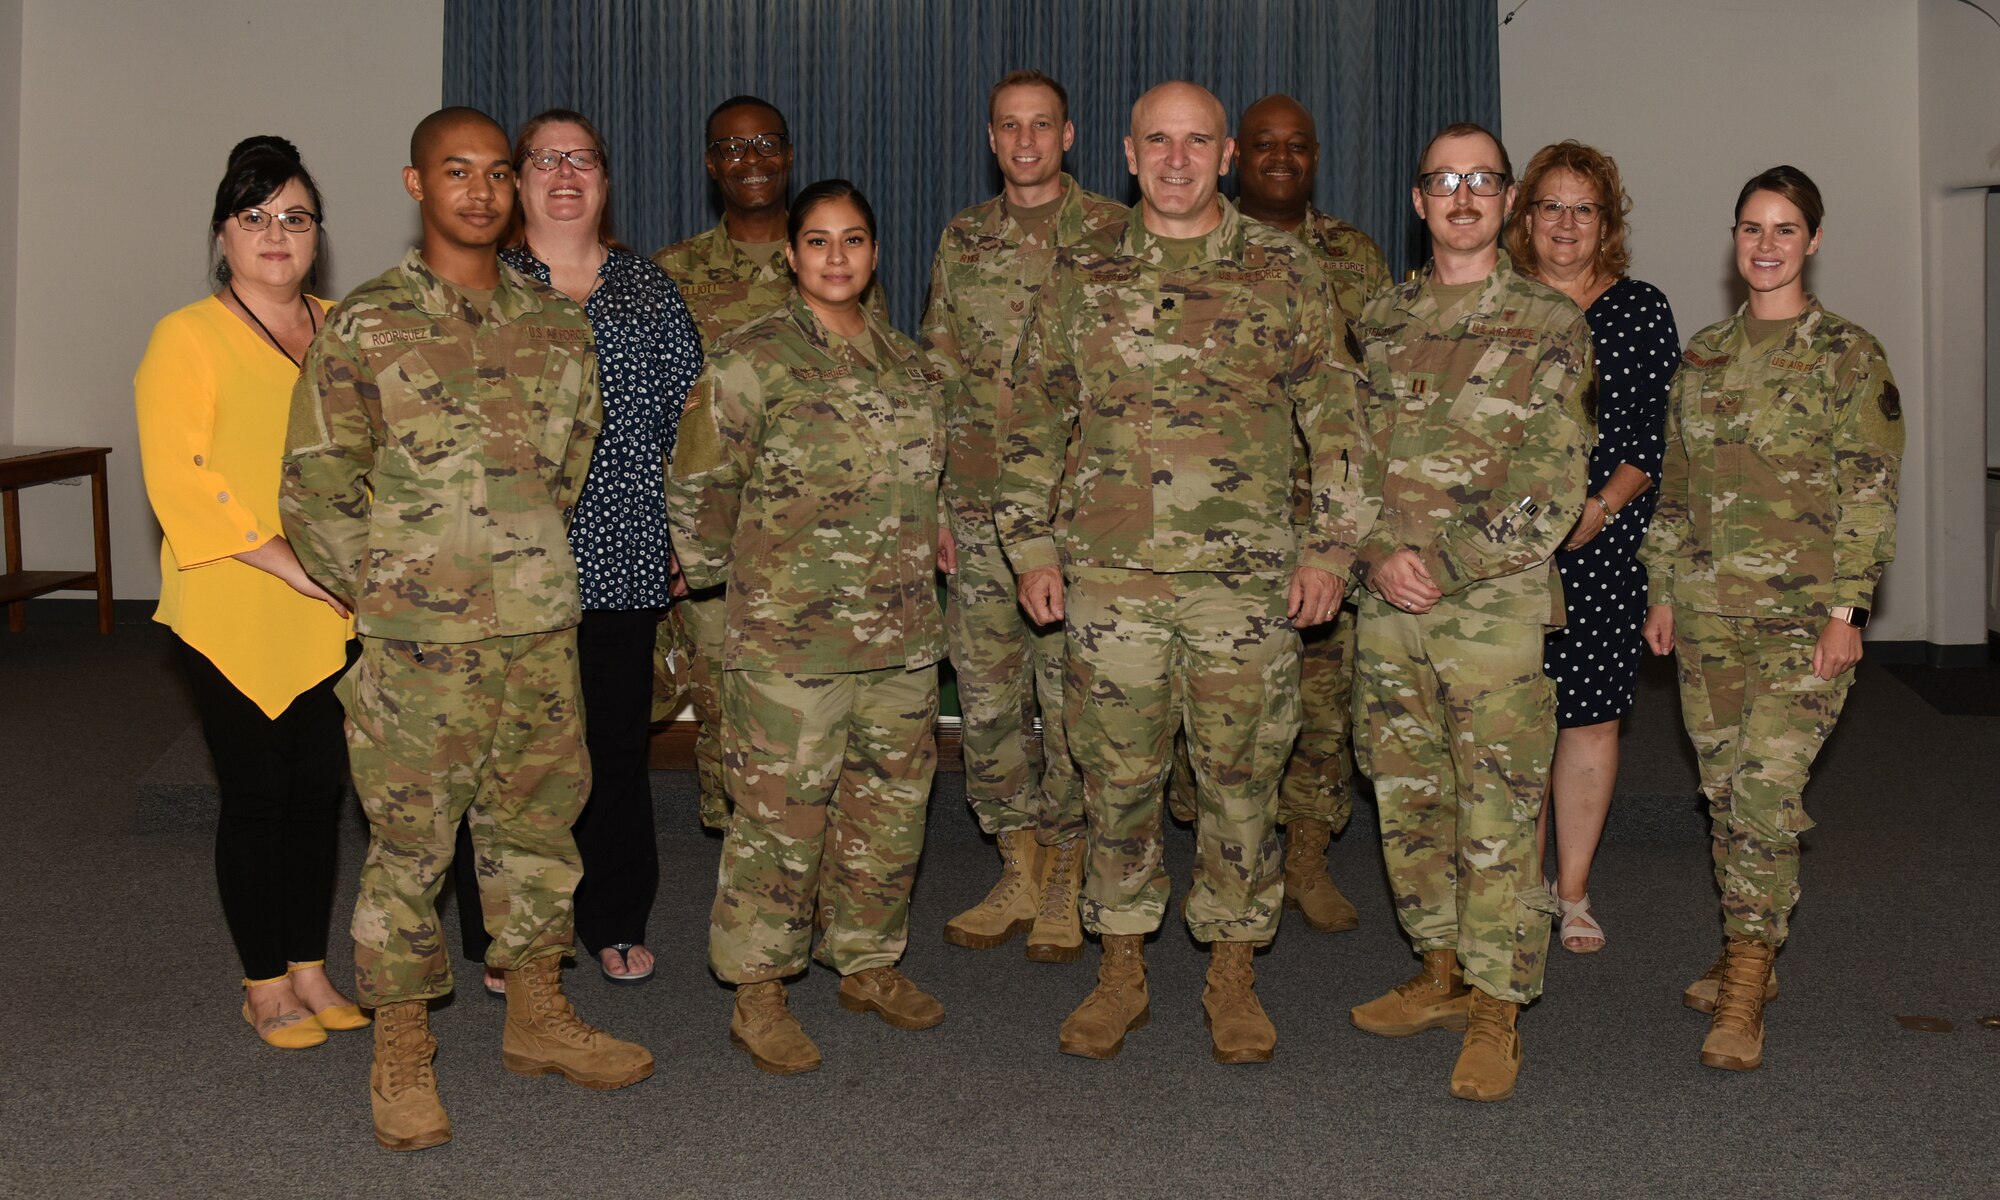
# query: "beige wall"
127,112
1694,97
10,147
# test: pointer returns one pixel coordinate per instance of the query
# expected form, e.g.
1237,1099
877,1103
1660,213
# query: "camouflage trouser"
1007,669
1457,725
488,732
1148,652
829,777
1316,776
1757,716
702,615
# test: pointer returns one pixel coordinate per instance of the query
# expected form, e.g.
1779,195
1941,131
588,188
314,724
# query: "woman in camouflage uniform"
1777,516
806,478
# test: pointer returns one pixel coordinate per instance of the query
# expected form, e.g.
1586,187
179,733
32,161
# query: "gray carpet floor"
125,1069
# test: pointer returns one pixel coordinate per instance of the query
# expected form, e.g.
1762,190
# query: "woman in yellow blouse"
262,643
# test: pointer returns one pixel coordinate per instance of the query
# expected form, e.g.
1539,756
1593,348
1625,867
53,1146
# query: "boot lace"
1739,998
1486,1023
408,1062
550,1008
1059,895
763,1007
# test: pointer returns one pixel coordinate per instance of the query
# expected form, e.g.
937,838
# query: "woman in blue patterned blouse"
648,355
1568,230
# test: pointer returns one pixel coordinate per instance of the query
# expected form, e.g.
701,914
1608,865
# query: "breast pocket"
423,418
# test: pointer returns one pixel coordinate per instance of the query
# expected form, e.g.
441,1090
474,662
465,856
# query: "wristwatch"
1857,617
1610,513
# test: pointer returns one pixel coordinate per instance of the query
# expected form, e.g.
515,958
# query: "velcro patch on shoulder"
1510,332
812,373
1704,361
1785,362
375,339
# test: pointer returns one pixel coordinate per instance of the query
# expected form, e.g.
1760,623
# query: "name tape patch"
378,338
812,373
1704,361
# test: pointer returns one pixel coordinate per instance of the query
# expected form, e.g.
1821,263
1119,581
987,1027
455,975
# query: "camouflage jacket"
983,281
1778,496
806,478
1153,409
725,288
1350,259
1481,438
435,452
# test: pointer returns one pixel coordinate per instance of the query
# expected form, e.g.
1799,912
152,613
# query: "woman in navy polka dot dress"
1568,230
648,355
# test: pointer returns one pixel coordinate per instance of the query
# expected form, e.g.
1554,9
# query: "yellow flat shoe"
299,1035
342,1017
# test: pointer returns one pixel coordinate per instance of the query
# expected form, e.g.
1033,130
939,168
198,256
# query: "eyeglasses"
256,220
733,149
1444,183
1552,211
582,160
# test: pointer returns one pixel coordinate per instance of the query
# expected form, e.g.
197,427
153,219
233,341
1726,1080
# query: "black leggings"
614,835
281,782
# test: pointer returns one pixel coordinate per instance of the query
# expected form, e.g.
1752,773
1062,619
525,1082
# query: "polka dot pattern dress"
1594,659
648,356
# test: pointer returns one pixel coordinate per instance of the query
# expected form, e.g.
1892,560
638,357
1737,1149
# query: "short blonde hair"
1594,167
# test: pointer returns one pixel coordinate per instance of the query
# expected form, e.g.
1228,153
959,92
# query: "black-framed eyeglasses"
546,159
1585,211
256,220
733,149
1444,183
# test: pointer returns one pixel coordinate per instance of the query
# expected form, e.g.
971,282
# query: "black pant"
281,782
614,834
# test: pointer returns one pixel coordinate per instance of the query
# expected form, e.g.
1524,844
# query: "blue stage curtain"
892,93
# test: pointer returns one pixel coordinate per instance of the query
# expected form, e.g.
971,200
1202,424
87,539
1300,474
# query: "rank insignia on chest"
1785,362
1018,305
811,373
1704,361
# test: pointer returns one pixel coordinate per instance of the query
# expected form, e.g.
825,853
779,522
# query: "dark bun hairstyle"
259,167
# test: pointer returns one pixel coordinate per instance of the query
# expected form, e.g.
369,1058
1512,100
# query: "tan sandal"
1580,923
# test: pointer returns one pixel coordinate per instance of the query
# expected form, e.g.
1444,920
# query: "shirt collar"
1224,243
512,299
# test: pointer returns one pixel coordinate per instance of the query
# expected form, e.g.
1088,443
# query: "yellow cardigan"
213,400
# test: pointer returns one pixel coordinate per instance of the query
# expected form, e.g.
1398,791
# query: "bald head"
432,130
1180,99
1277,110
1179,148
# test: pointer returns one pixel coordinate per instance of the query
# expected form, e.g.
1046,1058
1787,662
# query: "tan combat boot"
402,1086
1237,1025
1435,998
1735,1040
889,994
1010,907
762,1025
1700,995
544,1036
1058,933
1307,886
1490,1057
1116,1006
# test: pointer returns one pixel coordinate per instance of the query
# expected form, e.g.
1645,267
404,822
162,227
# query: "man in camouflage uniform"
1148,465
991,261
439,435
729,276
1279,147
1777,518
1479,451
